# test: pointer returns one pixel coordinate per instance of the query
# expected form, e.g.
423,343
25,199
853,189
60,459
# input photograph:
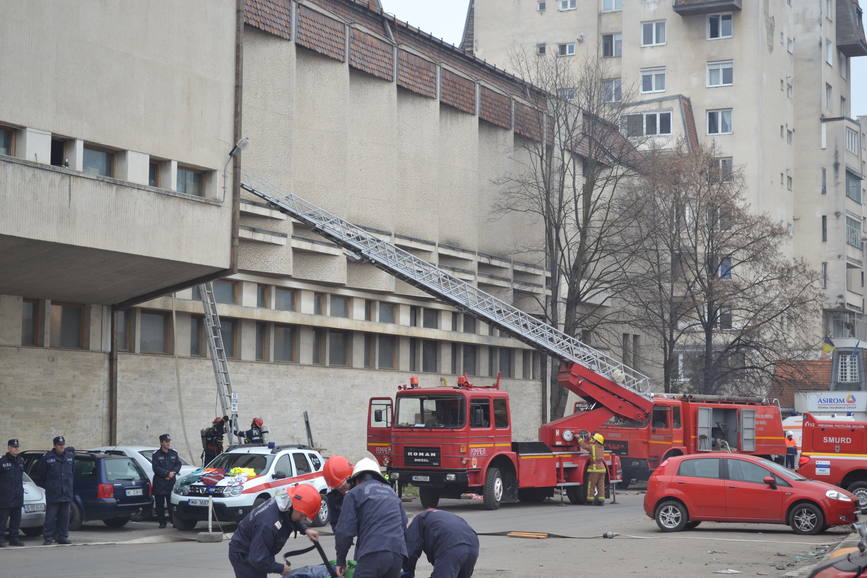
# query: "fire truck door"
660,435
705,424
379,415
748,430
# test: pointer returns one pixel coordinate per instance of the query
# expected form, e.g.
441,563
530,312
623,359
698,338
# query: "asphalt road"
141,550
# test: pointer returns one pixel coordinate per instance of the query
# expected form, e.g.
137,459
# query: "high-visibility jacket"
791,445
597,454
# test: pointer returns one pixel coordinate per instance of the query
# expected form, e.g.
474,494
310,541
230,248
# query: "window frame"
199,177
168,346
720,16
616,39
720,66
653,73
94,148
615,6
853,232
719,112
655,32
347,348
83,328
612,90
12,133
853,178
565,49
659,114
38,322
566,5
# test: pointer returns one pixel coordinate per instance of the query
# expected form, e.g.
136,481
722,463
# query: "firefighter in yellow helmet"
595,481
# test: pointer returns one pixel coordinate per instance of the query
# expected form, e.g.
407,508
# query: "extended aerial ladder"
610,387
217,350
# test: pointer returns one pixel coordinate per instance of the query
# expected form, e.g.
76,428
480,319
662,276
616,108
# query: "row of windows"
853,231
659,123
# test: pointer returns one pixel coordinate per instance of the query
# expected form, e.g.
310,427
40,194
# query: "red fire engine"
449,441
835,452
691,424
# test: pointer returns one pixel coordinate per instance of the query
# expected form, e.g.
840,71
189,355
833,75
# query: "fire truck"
450,441
835,452
688,424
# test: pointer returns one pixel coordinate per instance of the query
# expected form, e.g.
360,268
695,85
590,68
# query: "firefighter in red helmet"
256,433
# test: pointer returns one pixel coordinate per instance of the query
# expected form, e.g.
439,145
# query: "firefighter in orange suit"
791,450
596,470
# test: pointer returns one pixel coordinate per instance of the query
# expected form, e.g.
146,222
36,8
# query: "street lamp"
239,146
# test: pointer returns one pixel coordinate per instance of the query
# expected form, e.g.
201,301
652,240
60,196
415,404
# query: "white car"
33,510
243,477
142,456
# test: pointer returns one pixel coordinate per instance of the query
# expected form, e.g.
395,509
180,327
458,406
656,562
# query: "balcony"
850,29
693,7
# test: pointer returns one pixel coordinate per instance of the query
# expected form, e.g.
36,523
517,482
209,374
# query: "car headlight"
233,490
182,490
835,495
568,435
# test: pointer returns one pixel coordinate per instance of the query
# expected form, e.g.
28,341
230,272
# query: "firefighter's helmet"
306,499
337,469
599,438
257,421
789,434
366,465
217,420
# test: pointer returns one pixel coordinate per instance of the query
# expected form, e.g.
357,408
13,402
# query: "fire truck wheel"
860,490
493,493
806,518
671,516
532,495
576,494
429,497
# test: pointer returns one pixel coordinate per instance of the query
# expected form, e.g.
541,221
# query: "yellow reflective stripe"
769,438
534,457
481,445
827,455
506,444
373,444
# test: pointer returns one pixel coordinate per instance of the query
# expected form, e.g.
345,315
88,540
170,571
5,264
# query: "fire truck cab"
835,452
450,441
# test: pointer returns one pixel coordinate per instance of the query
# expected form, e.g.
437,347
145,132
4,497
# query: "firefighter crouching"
336,471
450,544
791,450
596,471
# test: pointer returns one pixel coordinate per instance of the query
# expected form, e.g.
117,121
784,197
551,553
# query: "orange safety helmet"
257,421
306,499
336,470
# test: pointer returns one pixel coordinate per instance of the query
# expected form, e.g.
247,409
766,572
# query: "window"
653,79
31,322
339,348
430,318
227,331
319,339
121,329
844,65
285,343
154,331
699,468
824,274
612,5
828,97
59,156
262,341
224,291
788,182
852,141
829,52
829,6
724,170
540,5
414,314
790,44
743,471
660,417
190,181
85,469
566,49
719,121
413,354
675,416
469,324
283,467
501,413
719,26
369,306
67,326
724,318
612,90
824,183
262,300
648,124
97,162
824,227
853,187
387,357
153,174
429,356
612,45
653,33
567,93
506,366
567,4
302,464
789,134
720,73
789,90
847,367
197,336
6,141
480,413
319,305
853,232
387,312
540,49
469,359
725,268
339,306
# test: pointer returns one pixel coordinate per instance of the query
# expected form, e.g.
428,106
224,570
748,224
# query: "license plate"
198,501
135,492
30,508
421,478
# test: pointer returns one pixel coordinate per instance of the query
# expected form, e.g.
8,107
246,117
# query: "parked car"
724,487
33,509
243,477
142,456
106,487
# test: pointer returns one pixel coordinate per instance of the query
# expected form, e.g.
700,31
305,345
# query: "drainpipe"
236,160
112,381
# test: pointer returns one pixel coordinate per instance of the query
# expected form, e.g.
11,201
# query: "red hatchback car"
724,487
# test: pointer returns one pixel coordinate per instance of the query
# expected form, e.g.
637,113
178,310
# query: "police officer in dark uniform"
450,544
55,472
166,464
264,531
11,493
372,512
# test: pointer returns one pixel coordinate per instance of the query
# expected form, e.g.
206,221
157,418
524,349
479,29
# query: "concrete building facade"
766,82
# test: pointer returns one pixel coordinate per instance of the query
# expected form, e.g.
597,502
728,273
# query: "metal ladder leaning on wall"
217,350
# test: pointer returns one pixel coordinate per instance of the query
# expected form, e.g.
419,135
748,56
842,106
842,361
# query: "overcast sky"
445,19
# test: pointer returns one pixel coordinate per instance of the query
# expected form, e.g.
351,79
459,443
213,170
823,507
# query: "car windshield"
781,471
259,462
431,411
122,470
149,454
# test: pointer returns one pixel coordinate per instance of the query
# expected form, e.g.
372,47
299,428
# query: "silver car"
33,510
142,456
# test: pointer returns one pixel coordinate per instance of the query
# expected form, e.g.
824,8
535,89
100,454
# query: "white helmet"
368,465
789,433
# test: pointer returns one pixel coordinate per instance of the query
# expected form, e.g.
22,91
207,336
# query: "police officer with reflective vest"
450,544
791,450
596,471
11,493
372,513
55,472
336,471
166,464
263,532
254,435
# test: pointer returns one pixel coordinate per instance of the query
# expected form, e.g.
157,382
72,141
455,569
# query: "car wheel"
116,522
183,523
494,488
860,490
322,517
692,524
671,516
32,532
76,520
807,518
259,501
428,496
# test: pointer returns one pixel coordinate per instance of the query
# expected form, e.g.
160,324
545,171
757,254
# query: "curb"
850,541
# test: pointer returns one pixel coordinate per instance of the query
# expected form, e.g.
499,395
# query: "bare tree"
570,179
716,281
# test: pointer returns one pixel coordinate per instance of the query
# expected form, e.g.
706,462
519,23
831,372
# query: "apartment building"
130,201
767,82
